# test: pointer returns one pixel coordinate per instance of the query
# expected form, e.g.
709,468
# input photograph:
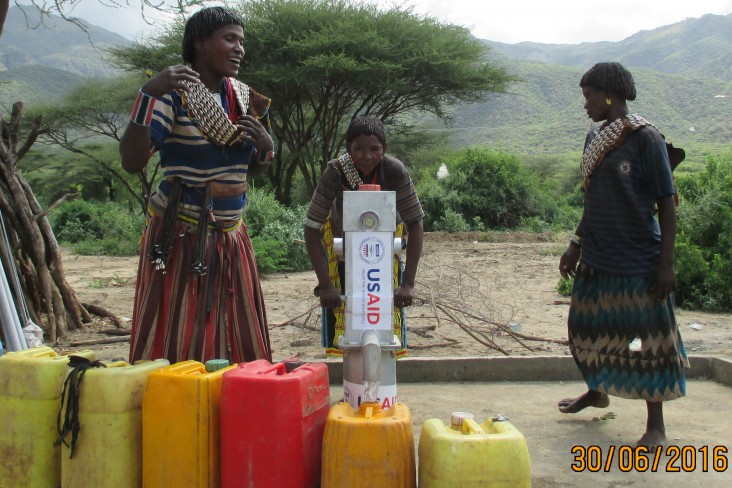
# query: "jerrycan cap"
216,364
457,418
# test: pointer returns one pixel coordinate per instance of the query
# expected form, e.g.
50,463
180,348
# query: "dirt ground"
473,296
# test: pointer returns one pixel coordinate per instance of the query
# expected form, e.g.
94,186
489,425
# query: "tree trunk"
33,245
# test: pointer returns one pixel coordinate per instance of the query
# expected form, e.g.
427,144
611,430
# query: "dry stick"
508,329
68,196
432,302
423,328
116,332
489,344
477,330
109,340
103,312
470,330
448,343
293,319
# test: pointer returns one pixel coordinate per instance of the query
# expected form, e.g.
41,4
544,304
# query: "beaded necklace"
349,169
205,108
610,137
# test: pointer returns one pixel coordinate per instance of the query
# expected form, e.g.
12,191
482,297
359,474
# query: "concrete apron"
527,389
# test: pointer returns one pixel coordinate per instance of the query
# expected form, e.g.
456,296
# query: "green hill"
544,113
683,75
30,84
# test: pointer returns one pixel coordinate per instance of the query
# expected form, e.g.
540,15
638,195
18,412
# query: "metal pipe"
371,356
9,316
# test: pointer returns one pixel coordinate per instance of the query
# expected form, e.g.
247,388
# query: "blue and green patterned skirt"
624,341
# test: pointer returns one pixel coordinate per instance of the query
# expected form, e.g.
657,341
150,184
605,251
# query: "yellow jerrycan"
466,454
108,450
181,435
30,397
368,447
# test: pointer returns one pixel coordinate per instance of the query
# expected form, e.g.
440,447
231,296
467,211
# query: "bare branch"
68,196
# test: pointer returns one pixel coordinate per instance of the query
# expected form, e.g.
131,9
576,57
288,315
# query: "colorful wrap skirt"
625,342
333,323
180,314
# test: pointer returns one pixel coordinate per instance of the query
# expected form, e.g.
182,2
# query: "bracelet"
143,109
265,157
576,240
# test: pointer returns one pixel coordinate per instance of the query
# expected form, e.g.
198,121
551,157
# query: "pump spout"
371,356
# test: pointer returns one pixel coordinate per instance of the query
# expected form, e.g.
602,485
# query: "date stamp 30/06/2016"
678,459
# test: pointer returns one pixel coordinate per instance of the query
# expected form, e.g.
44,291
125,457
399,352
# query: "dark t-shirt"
621,235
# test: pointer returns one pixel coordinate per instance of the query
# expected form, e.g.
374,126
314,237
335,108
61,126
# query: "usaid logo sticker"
371,250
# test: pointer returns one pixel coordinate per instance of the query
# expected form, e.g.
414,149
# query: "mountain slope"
695,45
544,114
54,42
30,85
43,60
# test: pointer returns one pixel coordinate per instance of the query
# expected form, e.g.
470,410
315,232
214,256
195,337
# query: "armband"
265,157
143,109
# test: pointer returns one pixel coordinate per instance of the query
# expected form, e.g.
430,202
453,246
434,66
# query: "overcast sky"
546,21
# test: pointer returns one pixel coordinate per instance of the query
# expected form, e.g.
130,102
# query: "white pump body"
369,344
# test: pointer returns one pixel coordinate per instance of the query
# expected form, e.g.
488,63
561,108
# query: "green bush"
703,259
451,222
94,228
271,254
485,186
278,232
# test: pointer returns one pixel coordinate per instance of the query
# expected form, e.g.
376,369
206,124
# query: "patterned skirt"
333,324
625,342
180,315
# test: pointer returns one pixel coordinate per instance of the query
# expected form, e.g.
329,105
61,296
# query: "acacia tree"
325,61
93,114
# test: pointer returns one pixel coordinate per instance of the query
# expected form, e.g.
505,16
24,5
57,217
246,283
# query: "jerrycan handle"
116,364
278,369
470,426
186,367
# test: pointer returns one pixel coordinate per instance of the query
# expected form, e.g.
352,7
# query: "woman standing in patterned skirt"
198,294
622,329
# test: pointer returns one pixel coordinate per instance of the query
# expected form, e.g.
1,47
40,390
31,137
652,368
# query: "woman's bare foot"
652,439
590,399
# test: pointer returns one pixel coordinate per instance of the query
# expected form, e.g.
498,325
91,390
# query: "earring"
608,101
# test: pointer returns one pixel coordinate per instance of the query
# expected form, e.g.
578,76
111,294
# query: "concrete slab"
697,423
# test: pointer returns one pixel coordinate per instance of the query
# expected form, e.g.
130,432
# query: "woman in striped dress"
198,294
622,329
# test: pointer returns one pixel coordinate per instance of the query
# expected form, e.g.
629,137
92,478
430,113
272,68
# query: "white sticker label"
354,394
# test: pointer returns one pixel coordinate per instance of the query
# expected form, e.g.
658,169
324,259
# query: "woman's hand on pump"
329,295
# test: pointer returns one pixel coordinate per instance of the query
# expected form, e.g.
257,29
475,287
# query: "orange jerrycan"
30,397
108,450
471,455
180,427
369,447
272,424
